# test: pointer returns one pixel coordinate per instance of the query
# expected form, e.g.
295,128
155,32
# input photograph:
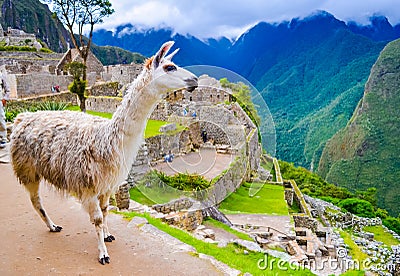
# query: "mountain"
380,29
311,72
34,17
366,152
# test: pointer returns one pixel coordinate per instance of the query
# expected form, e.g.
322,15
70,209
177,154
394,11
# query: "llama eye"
169,68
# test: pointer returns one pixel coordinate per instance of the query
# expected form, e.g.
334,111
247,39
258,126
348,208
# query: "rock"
245,252
200,227
261,240
252,246
137,222
209,233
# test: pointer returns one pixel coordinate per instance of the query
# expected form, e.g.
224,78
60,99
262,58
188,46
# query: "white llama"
89,156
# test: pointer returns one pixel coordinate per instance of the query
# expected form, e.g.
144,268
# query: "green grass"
355,250
154,195
381,235
231,255
269,200
153,128
218,224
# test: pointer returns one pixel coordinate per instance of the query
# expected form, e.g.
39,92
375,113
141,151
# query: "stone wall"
34,85
229,181
103,104
304,221
108,89
121,73
221,125
64,97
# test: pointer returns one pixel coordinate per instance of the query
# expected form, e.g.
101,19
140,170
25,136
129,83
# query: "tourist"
4,96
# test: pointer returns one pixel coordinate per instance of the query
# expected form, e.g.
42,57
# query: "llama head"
167,76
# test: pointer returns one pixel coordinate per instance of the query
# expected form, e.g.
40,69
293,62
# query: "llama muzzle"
191,83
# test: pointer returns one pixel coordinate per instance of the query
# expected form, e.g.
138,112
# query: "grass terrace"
269,200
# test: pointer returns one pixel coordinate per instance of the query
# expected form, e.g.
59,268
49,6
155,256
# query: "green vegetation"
78,85
232,255
153,128
366,152
18,48
11,111
31,16
381,235
184,181
358,207
218,224
269,200
109,55
354,249
358,203
312,90
138,196
242,95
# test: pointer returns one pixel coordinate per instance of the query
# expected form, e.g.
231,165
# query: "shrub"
358,207
393,224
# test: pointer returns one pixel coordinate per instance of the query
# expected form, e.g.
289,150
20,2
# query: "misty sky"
215,18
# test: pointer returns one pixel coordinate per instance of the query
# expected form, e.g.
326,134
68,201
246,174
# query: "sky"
230,18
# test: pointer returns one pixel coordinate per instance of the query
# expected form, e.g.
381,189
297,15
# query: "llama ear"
171,55
162,52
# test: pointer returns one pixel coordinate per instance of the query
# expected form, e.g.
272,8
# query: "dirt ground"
28,248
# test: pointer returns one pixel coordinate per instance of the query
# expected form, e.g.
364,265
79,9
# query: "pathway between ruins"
28,248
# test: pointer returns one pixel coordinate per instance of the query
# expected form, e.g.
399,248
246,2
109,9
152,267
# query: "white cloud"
214,18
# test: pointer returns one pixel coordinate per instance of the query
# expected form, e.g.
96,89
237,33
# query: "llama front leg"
96,217
104,201
33,189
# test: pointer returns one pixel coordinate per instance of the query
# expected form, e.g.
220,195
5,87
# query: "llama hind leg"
104,201
96,217
33,189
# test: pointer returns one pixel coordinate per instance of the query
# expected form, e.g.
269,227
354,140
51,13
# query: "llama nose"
191,84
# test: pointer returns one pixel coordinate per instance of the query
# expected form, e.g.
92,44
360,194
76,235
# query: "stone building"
93,65
16,37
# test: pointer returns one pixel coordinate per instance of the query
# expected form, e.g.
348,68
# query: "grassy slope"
269,200
366,152
313,94
381,235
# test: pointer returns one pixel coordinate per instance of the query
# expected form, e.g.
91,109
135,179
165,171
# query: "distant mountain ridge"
310,71
366,152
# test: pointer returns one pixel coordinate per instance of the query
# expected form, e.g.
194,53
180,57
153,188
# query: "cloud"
215,18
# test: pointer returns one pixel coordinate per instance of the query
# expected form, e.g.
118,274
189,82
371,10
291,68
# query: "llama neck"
131,117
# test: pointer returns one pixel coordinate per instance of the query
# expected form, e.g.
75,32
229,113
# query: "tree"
78,86
242,93
75,14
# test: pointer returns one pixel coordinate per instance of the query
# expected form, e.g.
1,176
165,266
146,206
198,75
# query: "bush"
358,207
185,182
46,50
392,223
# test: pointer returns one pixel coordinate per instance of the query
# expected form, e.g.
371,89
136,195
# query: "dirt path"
28,248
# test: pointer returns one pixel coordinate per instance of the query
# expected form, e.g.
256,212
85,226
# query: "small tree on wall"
78,86
75,14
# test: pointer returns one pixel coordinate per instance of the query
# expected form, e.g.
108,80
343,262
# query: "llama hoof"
56,228
109,238
104,260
